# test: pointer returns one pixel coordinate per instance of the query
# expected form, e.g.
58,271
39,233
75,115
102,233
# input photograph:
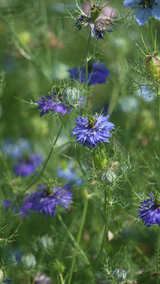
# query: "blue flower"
26,166
7,204
150,211
15,150
97,74
145,9
69,175
93,131
146,92
45,201
50,103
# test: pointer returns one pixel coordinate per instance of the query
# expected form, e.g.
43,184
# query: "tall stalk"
79,235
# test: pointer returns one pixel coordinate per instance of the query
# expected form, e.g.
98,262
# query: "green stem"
107,198
79,234
61,279
87,54
158,252
47,159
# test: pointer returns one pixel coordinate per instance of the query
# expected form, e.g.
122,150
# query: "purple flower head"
93,131
144,9
7,204
99,18
62,100
26,166
45,201
51,103
97,74
150,211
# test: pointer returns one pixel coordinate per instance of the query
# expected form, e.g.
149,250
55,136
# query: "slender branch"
47,159
79,235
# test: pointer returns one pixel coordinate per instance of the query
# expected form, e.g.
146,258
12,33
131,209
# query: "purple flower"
45,201
93,131
50,103
150,211
144,9
7,204
26,166
99,19
97,74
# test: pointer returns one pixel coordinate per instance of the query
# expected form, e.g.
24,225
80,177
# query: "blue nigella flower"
69,176
15,150
146,92
45,201
93,131
145,9
27,165
97,74
150,211
50,103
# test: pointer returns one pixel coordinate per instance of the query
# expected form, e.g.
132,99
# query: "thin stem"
87,54
107,197
158,252
61,279
79,234
47,159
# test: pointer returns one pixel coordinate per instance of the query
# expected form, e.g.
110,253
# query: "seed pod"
153,66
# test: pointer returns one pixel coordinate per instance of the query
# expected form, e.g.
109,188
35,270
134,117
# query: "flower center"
91,122
147,3
95,12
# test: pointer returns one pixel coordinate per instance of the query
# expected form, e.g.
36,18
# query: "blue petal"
156,12
142,15
130,3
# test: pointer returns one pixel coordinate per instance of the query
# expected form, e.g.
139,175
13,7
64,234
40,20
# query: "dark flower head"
150,211
26,166
99,18
144,9
97,74
44,201
93,131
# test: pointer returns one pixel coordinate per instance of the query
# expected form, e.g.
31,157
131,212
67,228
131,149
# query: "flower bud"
153,66
1,275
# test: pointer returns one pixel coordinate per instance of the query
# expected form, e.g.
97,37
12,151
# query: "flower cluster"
93,130
97,74
45,201
144,9
27,165
150,211
99,18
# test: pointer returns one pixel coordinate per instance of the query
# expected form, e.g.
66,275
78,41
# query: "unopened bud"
1,275
153,66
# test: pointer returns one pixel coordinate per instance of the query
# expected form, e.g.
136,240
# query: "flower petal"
156,12
130,3
142,15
